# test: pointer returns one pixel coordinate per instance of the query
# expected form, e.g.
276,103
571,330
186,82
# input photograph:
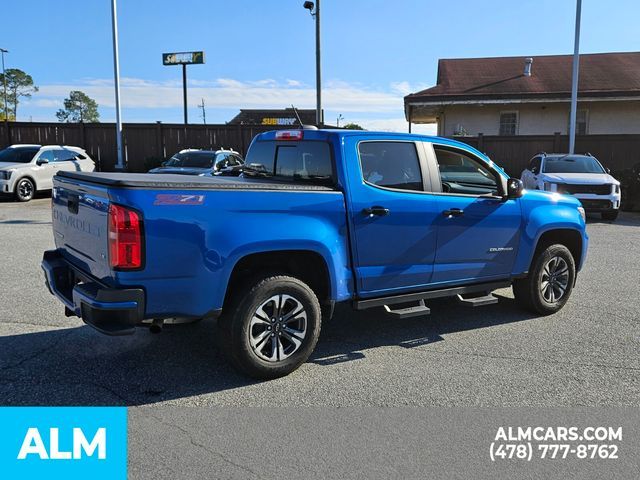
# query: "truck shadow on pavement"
78,366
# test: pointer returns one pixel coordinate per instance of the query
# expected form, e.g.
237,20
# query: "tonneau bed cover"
179,182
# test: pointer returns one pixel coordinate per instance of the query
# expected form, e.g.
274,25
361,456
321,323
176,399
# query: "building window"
582,122
508,123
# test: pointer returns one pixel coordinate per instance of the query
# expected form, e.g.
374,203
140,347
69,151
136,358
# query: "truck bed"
182,182
191,248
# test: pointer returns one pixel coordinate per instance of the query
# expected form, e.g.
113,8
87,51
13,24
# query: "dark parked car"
203,163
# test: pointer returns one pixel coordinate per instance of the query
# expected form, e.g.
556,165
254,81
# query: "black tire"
25,189
529,291
610,215
251,304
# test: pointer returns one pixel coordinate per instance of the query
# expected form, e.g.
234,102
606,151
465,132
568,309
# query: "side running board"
481,301
479,288
408,312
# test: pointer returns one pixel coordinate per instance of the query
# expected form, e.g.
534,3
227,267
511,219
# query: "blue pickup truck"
318,217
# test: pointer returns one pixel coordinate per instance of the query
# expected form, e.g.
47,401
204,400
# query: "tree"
79,108
19,84
353,126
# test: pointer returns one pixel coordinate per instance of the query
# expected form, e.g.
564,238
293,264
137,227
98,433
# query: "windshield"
18,155
572,165
191,160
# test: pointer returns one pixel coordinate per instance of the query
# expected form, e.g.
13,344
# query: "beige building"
530,96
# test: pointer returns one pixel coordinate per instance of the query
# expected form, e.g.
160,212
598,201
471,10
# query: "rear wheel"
610,215
550,281
270,327
24,190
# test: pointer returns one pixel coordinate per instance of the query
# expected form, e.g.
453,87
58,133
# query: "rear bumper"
108,310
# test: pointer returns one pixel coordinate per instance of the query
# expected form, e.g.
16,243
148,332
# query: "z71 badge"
171,199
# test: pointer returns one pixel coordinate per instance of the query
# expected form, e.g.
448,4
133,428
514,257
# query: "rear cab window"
304,161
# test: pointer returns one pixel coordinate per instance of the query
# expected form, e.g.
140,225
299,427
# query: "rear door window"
391,165
63,155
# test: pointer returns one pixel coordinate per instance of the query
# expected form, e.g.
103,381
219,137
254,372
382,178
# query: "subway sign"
182,58
278,121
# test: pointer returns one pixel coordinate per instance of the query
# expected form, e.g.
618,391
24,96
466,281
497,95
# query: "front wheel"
550,281
24,190
270,327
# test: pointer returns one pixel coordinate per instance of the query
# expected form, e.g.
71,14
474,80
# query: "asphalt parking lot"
586,355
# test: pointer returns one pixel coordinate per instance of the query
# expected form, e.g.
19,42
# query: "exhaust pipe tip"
156,325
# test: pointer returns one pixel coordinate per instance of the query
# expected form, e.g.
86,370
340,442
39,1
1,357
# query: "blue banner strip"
63,442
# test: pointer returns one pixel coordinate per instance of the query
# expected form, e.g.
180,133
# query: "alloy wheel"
278,328
554,279
25,189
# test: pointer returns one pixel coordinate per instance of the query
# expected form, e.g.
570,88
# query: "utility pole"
204,113
4,78
340,117
116,75
316,15
574,81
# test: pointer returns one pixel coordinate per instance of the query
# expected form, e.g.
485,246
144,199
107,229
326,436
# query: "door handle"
453,212
376,210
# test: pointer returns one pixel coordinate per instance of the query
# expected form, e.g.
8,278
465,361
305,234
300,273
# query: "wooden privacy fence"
145,144
617,152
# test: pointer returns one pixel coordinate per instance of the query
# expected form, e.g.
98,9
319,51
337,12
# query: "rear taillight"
125,238
289,135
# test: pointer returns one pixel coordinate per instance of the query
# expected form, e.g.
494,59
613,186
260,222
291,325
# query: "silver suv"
26,169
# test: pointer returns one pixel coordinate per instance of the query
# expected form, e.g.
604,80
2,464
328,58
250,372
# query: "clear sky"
260,53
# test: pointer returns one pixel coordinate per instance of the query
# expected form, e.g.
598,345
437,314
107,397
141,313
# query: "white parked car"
579,175
26,169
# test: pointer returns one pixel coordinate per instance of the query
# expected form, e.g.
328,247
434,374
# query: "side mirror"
42,161
534,170
515,188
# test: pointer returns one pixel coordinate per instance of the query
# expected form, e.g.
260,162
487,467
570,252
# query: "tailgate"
80,222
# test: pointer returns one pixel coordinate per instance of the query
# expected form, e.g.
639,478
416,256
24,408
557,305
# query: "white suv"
25,169
579,175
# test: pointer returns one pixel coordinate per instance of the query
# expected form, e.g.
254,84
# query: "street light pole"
319,119
4,78
315,13
574,81
116,75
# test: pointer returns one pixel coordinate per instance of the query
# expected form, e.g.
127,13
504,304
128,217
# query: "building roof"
601,75
256,117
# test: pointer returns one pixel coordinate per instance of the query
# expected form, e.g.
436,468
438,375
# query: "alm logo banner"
63,442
